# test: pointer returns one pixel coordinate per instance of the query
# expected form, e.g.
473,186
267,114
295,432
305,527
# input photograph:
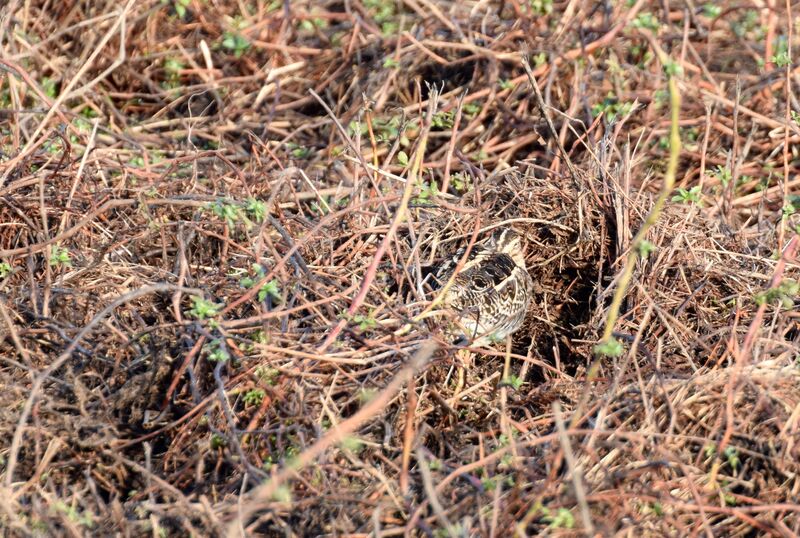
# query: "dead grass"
213,320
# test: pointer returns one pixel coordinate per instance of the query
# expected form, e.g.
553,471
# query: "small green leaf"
217,441
202,309
301,152
402,158
541,7
254,397
352,444
512,381
645,248
217,352
782,59
471,109
225,210
673,68
235,42
256,209
270,289
563,519
724,174
711,11
506,84
647,21
49,87
443,120
59,256
609,348
690,196
732,455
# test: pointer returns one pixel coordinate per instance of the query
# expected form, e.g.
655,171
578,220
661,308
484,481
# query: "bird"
491,291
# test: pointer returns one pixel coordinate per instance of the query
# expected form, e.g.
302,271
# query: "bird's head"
509,242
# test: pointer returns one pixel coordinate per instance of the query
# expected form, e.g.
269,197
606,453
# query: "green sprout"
749,23
270,289
645,248
225,210
402,158
513,381
443,120
732,455
427,193
49,87
660,97
646,20
256,209
609,348
781,59
384,13
471,109
785,292
541,7
59,257
612,108
489,483
235,42
310,25
385,129
563,519
690,196
254,397
673,68
267,375
282,494
173,68
217,441
203,309
299,152
5,269
506,84
217,352
365,322
75,516
180,7
723,174
712,11
461,182
782,56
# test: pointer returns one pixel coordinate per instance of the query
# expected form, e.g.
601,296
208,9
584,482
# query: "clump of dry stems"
217,222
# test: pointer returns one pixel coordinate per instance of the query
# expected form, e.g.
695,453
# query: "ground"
218,220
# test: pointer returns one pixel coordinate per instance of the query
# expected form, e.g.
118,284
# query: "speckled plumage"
492,291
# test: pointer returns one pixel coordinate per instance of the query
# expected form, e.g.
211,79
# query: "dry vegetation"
214,243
